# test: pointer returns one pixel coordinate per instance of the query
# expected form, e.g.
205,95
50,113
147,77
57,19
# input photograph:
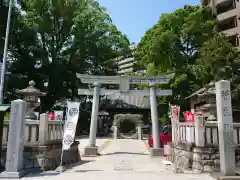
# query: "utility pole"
5,52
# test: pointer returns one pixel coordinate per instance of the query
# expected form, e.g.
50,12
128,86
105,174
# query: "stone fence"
186,133
38,132
196,145
43,144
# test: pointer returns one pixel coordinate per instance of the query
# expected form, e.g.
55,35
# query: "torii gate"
124,82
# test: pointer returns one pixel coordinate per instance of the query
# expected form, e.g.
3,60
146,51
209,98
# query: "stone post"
225,128
155,151
199,131
91,149
43,129
139,132
15,145
199,142
115,132
174,122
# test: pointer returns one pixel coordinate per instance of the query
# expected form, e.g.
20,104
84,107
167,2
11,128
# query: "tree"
69,36
186,42
172,45
219,60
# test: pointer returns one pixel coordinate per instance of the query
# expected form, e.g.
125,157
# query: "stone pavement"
100,142
120,160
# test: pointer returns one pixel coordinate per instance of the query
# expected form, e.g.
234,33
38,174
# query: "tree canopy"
55,39
187,42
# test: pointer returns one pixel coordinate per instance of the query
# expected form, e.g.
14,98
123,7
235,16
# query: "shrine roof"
207,90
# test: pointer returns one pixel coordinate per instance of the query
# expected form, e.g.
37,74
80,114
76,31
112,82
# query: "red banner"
189,117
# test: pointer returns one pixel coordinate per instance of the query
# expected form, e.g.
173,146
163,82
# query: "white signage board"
71,124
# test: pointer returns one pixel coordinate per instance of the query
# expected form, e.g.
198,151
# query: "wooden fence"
38,132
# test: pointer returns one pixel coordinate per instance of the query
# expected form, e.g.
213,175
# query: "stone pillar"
139,132
199,142
115,132
174,129
92,149
15,145
225,128
199,131
155,151
43,129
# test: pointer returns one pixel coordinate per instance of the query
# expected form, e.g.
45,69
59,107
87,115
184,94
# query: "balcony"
124,61
227,15
231,32
124,66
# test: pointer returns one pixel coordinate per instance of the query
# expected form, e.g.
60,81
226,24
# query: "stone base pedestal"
156,152
90,151
12,175
60,169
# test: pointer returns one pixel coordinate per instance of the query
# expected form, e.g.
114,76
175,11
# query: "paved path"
85,141
121,160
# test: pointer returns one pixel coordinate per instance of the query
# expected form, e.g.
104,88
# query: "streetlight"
5,51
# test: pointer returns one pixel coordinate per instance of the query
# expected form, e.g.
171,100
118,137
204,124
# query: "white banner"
58,115
71,124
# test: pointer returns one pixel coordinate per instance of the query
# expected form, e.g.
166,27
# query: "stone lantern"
31,95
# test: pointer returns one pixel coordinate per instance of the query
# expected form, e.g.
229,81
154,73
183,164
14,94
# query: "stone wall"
188,157
47,157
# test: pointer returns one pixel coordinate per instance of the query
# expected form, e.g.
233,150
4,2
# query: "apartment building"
125,63
228,15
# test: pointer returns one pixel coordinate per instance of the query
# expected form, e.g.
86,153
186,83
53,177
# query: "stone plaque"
14,160
225,128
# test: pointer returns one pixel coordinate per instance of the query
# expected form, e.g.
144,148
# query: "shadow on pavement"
47,173
124,153
71,166
87,170
52,173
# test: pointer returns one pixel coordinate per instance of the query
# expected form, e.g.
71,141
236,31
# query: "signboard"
71,124
189,117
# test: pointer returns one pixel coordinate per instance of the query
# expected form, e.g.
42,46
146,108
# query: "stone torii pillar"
92,149
154,117
154,93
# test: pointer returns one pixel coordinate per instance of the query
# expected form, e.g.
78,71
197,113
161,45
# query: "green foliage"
7,116
65,37
187,42
164,120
